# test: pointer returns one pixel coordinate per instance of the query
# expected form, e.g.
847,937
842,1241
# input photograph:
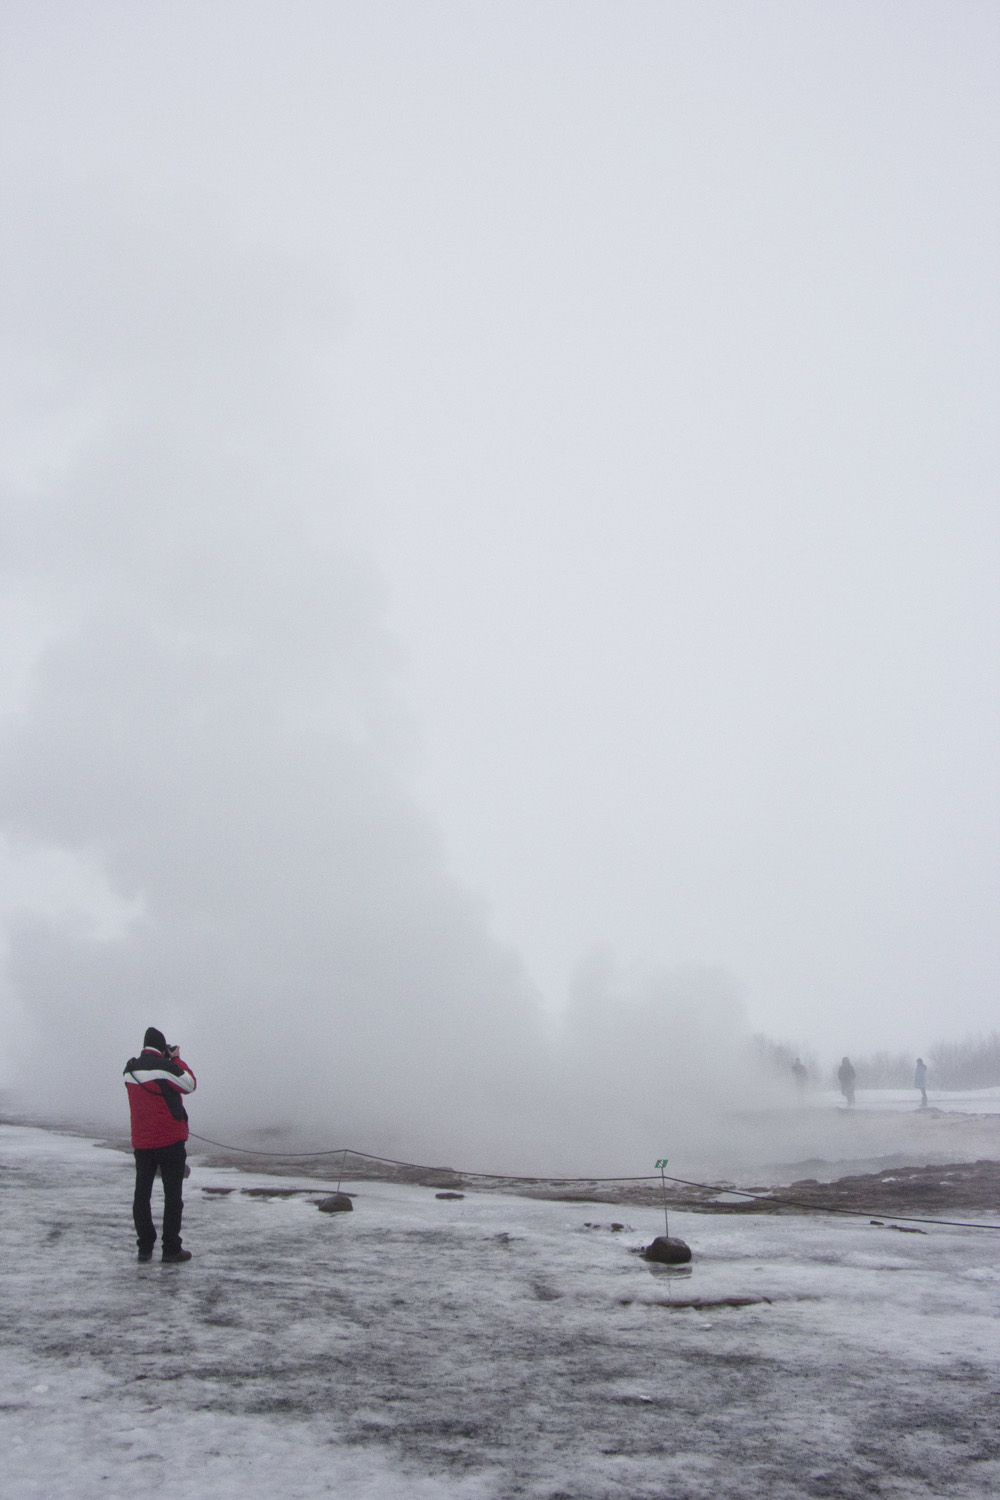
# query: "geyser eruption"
211,732
211,726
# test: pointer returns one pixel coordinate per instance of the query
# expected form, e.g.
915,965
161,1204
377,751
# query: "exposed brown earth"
972,1187
967,1187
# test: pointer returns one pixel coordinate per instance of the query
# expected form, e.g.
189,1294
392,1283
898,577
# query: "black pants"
170,1160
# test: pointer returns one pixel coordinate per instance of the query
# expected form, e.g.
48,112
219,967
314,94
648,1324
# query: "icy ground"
819,1136
966,1102
478,1349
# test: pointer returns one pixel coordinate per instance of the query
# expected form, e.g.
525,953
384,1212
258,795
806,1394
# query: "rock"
449,1195
275,1192
337,1203
668,1251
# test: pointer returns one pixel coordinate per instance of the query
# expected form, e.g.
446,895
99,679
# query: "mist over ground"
212,727
498,556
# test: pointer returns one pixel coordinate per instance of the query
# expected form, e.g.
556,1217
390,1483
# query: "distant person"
846,1076
155,1081
800,1073
920,1081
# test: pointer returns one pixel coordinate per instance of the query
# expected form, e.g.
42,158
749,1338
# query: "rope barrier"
834,1208
780,1200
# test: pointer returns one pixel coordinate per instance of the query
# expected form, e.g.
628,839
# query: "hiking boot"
175,1257
144,1255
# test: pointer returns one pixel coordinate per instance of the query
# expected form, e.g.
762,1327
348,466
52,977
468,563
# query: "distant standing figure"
847,1075
800,1073
156,1081
920,1081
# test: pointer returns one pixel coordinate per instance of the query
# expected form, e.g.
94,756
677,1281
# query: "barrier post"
664,1162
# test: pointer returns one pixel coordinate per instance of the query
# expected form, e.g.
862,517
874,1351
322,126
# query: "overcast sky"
553,446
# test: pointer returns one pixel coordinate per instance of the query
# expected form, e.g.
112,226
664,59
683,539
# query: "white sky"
654,365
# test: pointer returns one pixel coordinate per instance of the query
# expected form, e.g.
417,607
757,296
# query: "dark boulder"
668,1251
337,1203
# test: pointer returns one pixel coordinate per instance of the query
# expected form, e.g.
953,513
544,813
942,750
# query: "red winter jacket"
155,1084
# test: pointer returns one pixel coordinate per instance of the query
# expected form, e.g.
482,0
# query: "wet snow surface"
482,1348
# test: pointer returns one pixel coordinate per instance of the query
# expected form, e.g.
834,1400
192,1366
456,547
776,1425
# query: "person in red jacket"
156,1082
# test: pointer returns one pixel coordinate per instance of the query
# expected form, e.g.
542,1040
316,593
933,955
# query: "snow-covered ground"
818,1136
967,1102
485,1348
